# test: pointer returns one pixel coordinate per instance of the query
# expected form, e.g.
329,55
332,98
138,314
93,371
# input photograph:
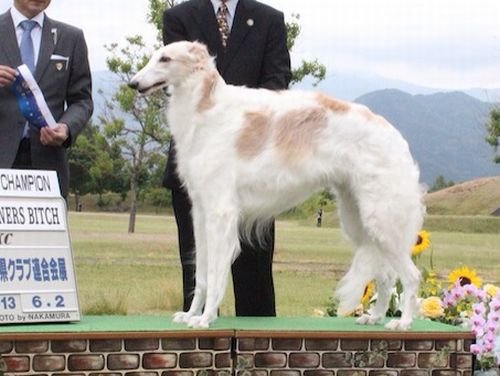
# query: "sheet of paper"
31,100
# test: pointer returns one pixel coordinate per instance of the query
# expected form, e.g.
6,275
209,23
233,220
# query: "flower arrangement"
462,301
481,313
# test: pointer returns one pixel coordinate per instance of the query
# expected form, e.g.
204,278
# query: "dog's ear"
200,53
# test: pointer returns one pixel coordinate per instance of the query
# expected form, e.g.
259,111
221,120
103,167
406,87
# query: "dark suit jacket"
67,92
256,54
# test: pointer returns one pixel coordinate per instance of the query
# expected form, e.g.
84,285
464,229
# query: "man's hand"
7,75
54,136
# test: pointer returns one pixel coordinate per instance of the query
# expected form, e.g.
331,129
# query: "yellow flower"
432,307
359,310
465,276
318,313
430,286
421,244
368,293
491,290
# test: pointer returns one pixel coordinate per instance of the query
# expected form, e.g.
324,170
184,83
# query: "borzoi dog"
246,155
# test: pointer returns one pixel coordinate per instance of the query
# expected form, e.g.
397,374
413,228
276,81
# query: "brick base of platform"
236,352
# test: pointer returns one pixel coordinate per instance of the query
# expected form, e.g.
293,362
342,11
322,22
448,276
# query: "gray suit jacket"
67,89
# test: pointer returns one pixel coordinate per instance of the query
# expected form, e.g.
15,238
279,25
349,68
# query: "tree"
81,158
493,127
440,183
96,166
156,8
133,122
108,172
306,68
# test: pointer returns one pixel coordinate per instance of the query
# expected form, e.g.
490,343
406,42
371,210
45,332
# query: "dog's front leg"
200,291
222,244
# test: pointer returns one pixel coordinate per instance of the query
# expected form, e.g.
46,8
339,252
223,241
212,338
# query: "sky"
445,44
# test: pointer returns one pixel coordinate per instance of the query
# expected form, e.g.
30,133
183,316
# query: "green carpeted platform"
93,324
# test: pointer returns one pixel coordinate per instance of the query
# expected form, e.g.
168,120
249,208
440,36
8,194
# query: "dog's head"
171,65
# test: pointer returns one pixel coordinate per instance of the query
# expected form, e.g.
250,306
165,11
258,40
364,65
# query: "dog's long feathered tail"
383,252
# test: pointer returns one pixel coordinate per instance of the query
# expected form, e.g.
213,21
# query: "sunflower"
368,293
421,244
465,276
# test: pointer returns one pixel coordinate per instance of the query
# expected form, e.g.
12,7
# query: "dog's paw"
181,317
398,325
368,320
198,322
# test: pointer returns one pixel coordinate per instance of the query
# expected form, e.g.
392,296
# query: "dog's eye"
165,59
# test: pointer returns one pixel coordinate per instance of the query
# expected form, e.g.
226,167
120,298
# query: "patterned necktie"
222,21
26,47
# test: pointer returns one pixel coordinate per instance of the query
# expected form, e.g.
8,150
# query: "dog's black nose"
133,85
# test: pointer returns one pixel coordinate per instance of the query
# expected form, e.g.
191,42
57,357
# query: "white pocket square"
62,61
59,57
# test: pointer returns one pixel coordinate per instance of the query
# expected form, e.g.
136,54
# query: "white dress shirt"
36,33
231,7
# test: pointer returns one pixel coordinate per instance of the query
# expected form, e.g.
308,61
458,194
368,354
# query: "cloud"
454,44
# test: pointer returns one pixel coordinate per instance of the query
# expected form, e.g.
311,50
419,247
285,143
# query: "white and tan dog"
246,155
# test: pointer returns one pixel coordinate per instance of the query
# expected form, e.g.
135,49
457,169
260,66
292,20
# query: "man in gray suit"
62,71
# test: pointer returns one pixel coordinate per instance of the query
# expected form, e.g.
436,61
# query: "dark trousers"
252,270
23,156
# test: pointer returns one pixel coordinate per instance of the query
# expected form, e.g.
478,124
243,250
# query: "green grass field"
140,273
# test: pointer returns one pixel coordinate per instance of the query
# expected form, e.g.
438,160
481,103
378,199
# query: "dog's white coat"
246,155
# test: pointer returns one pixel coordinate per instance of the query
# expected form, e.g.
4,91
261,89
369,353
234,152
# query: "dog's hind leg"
222,245
384,283
392,221
410,278
350,288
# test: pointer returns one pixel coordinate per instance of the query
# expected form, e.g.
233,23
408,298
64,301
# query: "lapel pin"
59,66
54,35
250,22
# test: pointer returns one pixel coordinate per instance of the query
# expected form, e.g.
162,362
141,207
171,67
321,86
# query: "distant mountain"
446,131
486,95
350,86
473,197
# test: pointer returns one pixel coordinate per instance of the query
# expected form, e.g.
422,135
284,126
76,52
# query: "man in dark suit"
61,69
254,54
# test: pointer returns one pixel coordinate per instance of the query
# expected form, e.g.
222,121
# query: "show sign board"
37,279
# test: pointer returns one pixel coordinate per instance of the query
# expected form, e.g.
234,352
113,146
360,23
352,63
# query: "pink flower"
489,337
491,327
475,349
477,321
478,308
470,289
494,316
481,295
495,304
478,332
457,294
487,347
